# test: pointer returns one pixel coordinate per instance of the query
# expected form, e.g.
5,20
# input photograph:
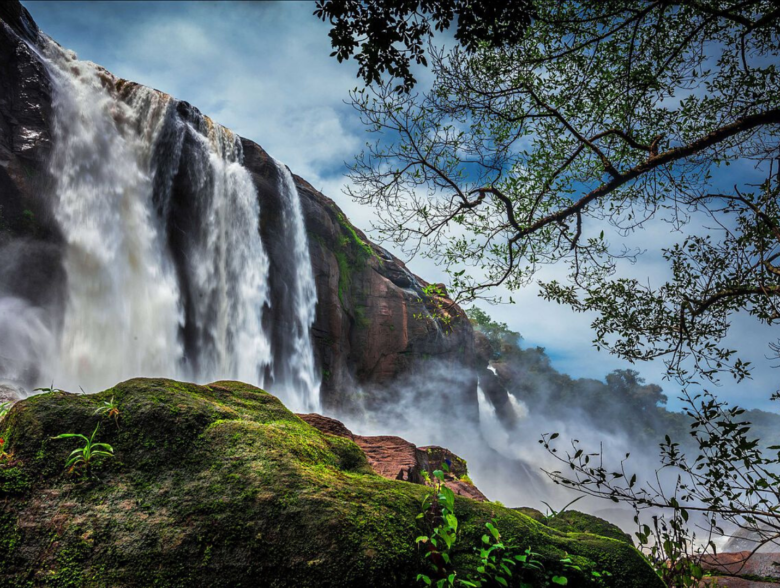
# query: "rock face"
221,485
368,329
744,569
397,459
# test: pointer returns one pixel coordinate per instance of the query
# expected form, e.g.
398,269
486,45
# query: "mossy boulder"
572,521
221,485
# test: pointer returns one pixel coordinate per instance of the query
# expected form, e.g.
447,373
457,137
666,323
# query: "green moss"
351,255
572,521
345,274
361,246
13,480
360,317
221,485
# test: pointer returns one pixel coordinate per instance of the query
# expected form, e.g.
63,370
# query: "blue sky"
263,69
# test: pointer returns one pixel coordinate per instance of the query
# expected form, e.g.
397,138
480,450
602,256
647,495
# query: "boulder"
221,485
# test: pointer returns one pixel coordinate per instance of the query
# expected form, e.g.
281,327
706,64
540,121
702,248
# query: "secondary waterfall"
167,274
296,368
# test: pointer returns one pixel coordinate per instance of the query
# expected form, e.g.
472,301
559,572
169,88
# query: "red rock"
732,582
327,425
759,565
395,458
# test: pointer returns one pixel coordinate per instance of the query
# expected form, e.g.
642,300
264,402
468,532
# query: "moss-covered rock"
572,521
221,485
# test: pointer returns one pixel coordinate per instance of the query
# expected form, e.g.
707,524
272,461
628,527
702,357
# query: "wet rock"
221,486
373,321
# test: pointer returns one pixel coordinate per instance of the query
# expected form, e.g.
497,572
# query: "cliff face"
373,321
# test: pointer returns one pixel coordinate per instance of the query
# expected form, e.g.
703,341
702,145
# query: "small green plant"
82,460
4,408
568,564
552,513
51,389
440,308
110,409
439,506
498,560
672,549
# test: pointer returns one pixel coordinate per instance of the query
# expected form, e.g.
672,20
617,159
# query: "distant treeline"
623,403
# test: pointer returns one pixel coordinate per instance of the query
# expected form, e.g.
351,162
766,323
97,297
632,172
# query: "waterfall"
122,315
166,271
296,368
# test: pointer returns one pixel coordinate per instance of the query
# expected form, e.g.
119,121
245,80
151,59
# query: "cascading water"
167,274
296,370
122,316
221,261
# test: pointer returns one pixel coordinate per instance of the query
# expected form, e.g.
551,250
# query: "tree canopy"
391,34
601,119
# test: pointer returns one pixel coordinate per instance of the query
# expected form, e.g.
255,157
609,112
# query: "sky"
264,70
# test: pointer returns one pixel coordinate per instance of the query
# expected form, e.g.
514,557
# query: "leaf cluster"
392,34
604,119
82,460
730,482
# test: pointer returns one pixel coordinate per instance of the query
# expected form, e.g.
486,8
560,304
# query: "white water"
140,300
300,373
122,316
227,262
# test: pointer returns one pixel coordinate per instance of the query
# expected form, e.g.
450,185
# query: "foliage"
730,480
500,336
439,307
672,549
110,409
392,33
607,117
82,460
438,506
568,563
4,408
497,558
